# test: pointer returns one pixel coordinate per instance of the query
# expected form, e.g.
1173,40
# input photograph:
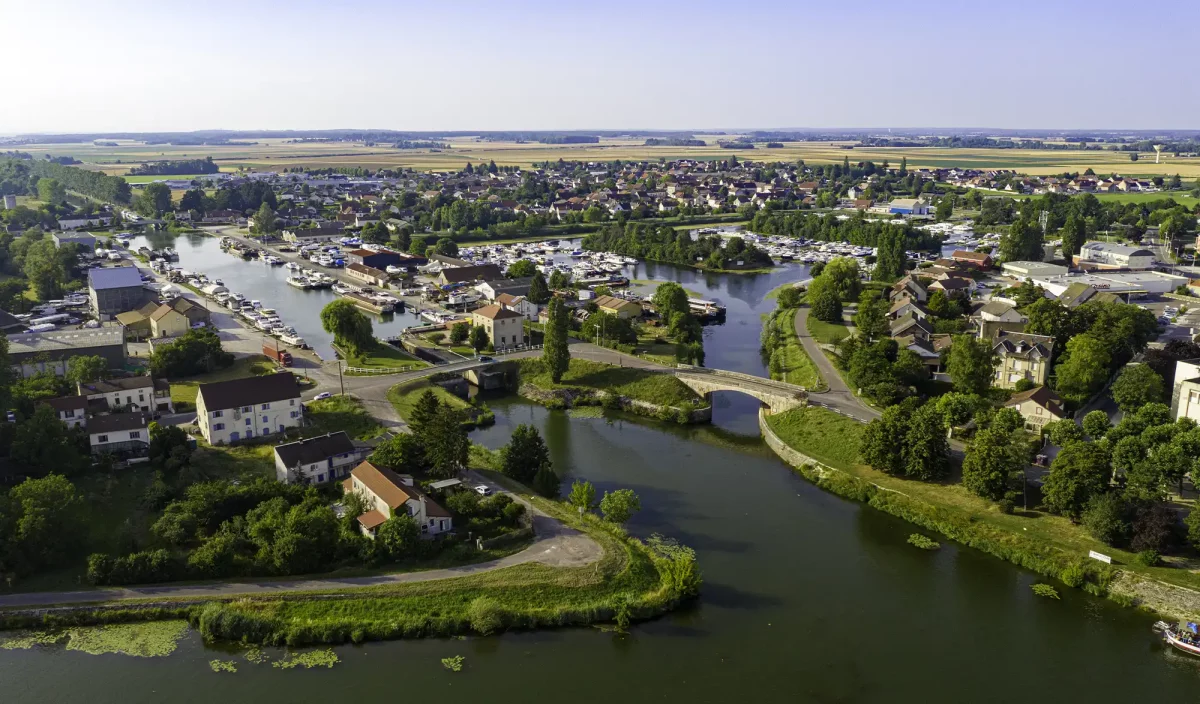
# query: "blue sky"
95,65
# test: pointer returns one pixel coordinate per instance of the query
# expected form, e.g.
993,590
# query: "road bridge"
779,396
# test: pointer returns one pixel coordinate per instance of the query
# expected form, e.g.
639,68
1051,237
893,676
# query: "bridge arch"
777,395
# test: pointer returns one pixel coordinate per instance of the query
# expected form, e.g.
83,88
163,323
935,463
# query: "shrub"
485,616
1073,575
1149,558
1107,519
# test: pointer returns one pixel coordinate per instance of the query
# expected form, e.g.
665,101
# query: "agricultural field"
277,154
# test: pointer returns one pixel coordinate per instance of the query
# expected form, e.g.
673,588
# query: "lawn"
183,391
404,398
651,348
384,356
639,384
834,440
341,413
827,333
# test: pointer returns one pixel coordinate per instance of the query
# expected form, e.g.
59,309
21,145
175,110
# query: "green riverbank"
643,392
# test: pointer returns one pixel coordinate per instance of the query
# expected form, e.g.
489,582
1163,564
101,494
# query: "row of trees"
666,244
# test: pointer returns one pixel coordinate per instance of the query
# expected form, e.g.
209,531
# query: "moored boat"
1178,638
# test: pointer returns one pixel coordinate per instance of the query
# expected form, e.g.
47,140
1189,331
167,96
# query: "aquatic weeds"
222,665
920,541
454,664
27,640
309,660
1045,590
146,640
256,656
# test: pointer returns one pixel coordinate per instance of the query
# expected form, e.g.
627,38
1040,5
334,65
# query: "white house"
519,304
388,493
126,435
228,411
316,460
142,393
1000,312
71,410
1037,406
505,328
1185,394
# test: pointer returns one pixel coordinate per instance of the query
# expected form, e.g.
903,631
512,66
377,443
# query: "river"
807,597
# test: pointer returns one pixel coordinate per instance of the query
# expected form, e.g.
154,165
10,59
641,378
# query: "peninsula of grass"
789,362
340,413
654,387
382,358
404,397
1045,543
183,391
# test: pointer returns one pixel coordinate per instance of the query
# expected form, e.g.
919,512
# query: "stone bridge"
778,395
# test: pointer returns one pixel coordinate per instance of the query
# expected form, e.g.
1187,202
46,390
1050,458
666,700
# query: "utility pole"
341,381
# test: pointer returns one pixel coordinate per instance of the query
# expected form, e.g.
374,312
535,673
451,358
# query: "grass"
649,346
151,179
384,356
404,398
243,462
795,365
341,413
834,440
637,384
649,282
827,333
183,391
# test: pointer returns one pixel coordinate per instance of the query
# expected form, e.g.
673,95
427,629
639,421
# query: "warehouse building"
33,352
115,290
1108,255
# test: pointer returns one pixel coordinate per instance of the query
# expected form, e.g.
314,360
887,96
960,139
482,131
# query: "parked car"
322,396
483,490
486,359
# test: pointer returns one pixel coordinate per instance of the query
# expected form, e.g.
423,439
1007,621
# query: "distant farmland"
275,155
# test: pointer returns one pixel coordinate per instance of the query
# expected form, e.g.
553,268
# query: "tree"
520,269
264,219
994,464
826,306
539,292
1095,424
403,452
1135,386
524,455
926,453
49,190
351,330
446,444
555,353
1063,432
1022,242
45,269
546,482
195,352
398,537
582,496
1106,517
1079,472
1048,317
789,297
1085,368
479,338
972,364
446,247
43,444
882,444
154,200
459,332
558,280
424,411
945,208
1074,234
620,505
85,369
871,318
891,261
44,518
670,298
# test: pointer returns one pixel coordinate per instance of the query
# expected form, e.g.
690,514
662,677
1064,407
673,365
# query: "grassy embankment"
404,398
795,366
827,333
589,383
1044,543
629,582
382,357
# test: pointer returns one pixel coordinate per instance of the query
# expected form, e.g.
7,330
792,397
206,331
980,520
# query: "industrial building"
1121,283
33,352
115,290
1032,270
1108,255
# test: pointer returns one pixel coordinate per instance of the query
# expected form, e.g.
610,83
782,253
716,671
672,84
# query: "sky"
107,65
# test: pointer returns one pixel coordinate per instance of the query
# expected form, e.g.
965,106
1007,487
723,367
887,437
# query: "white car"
483,490
322,396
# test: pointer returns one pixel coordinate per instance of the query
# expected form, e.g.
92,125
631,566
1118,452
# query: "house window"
249,433
69,414
217,414
135,434
247,409
219,426
1037,410
320,477
102,438
266,419
295,414
265,406
249,421
292,402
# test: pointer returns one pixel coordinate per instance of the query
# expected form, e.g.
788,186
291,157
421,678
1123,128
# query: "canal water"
807,597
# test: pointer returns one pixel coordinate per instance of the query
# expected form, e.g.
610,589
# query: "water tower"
1157,152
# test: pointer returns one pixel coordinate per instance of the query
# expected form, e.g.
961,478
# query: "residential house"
979,260
137,321
165,321
906,306
141,393
114,290
71,410
519,304
466,274
910,324
388,494
316,460
1037,406
953,287
909,286
239,409
124,435
505,328
515,287
618,307
1185,394
1022,356
1000,312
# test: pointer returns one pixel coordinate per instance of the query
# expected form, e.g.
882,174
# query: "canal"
807,597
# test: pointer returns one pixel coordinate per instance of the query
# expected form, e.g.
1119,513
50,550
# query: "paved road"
556,545
839,397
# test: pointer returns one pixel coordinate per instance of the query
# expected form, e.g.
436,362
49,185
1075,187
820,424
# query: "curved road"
838,398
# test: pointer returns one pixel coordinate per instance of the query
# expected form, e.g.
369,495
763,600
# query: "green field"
151,179
638,384
341,413
827,333
278,154
384,356
404,398
183,391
